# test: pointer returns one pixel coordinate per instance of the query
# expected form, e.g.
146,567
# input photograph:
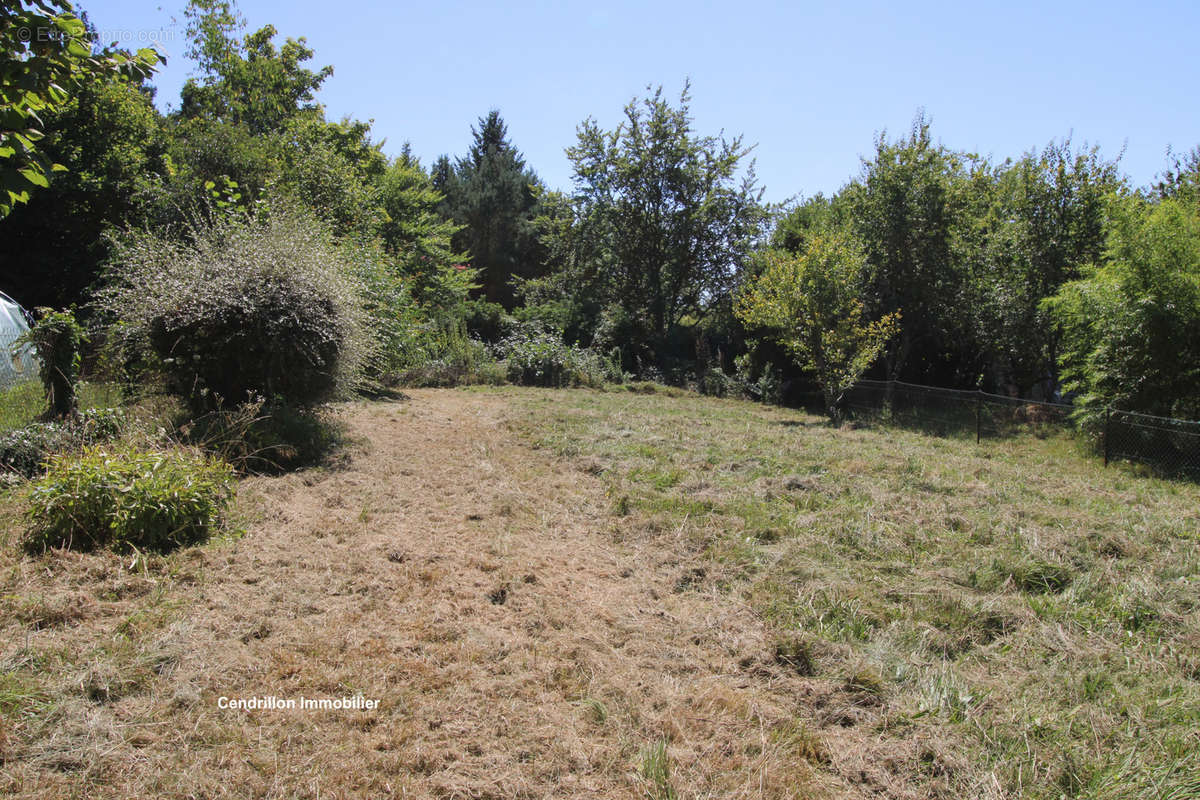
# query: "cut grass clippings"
1028,614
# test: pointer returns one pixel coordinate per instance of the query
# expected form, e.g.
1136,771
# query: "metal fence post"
1107,414
978,416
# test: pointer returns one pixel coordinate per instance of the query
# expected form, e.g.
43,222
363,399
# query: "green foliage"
445,354
334,169
562,298
536,357
58,339
393,320
21,404
45,53
715,383
421,241
127,499
486,320
903,212
494,197
656,770
797,223
201,151
661,224
249,305
331,168
99,424
110,138
763,382
27,450
1027,227
1131,324
251,119
814,300
1181,179
247,80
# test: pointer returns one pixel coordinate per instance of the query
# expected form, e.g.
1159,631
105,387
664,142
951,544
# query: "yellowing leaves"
812,300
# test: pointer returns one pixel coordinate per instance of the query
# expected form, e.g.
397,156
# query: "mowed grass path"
1009,619
627,595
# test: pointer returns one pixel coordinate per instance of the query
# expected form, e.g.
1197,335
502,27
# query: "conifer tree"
493,194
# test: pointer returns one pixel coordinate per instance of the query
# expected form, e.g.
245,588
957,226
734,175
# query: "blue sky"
809,84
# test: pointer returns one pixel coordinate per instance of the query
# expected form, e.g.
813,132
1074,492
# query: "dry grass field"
617,594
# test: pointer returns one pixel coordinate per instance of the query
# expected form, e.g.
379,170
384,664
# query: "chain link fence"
1169,446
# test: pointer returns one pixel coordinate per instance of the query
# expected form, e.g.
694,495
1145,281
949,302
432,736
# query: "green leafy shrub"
1131,323
763,383
536,357
394,321
246,305
715,383
127,498
26,450
449,356
95,425
486,321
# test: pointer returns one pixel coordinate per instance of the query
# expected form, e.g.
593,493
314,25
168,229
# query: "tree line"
1045,275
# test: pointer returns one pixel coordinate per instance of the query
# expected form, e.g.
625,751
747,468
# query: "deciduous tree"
46,53
1131,324
813,300
666,218
902,212
246,80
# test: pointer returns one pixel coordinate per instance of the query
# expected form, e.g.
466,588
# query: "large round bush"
243,306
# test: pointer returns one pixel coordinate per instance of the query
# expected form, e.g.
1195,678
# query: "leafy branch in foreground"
45,51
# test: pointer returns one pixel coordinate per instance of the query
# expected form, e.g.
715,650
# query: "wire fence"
1169,446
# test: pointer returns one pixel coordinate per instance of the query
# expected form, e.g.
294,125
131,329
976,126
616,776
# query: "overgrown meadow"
241,299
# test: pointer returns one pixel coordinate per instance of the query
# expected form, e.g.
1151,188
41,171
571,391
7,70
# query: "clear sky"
809,83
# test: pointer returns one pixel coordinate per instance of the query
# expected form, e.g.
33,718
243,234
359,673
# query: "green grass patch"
25,402
1031,610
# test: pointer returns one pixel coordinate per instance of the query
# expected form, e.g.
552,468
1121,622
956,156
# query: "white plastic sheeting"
17,364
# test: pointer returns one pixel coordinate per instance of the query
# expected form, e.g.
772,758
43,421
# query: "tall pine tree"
494,196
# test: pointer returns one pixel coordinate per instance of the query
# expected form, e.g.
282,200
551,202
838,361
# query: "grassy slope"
1028,614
